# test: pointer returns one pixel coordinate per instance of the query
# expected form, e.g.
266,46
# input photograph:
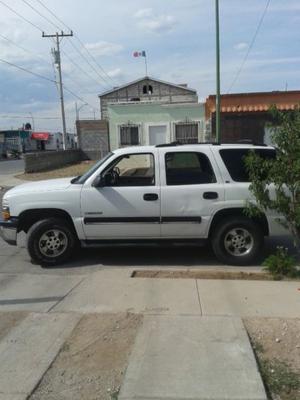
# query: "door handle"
210,195
150,196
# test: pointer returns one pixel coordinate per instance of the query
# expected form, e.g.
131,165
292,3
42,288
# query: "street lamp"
32,121
218,95
78,109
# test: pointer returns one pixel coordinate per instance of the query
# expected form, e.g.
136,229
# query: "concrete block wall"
46,160
93,138
162,92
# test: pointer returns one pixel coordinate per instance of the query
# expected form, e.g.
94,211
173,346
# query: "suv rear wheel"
50,241
237,241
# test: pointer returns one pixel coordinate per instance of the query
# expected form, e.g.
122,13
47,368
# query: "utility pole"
57,61
218,94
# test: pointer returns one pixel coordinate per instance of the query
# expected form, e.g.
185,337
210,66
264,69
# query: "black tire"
237,241
57,248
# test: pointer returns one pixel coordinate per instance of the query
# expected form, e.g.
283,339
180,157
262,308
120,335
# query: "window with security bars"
129,135
186,133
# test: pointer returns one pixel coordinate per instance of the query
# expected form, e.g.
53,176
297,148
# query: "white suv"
164,193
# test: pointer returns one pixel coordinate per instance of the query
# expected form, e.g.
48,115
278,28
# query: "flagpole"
146,66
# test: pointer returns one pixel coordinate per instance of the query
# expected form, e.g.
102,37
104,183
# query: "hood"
40,186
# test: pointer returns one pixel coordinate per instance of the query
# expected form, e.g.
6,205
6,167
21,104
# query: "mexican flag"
139,54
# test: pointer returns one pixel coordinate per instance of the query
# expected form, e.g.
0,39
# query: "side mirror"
99,181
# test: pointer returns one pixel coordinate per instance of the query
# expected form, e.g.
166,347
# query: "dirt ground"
196,274
69,170
276,343
93,360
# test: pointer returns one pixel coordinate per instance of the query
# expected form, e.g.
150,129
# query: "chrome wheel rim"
53,243
238,242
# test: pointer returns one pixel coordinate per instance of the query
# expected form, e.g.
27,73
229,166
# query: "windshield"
84,177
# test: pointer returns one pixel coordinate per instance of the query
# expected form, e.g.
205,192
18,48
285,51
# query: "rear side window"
234,161
188,168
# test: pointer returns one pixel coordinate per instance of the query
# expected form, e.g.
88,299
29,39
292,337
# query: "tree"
282,173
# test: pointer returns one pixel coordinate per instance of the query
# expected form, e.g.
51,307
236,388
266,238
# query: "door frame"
163,123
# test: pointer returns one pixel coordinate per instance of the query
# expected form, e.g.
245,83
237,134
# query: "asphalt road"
9,167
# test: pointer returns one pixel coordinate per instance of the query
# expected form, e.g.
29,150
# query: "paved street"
8,167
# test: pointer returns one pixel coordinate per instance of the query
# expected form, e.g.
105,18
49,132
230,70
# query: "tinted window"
188,168
234,161
133,170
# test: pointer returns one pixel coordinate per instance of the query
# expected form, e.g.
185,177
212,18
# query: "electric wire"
21,16
250,46
77,38
44,78
40,14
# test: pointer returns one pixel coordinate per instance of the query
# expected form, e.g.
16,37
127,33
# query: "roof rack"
243,141
169,144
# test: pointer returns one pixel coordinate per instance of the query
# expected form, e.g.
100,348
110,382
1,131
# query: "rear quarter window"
235,164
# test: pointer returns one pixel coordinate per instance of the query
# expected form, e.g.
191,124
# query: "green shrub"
281,264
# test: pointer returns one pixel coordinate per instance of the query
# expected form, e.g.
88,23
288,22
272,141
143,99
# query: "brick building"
246,115
147,89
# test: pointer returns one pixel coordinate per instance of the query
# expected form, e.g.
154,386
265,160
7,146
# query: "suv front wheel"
237,241
50,241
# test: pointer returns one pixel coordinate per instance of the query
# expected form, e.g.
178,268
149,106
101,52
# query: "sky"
177,35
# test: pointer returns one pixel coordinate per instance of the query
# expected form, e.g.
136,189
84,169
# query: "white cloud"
103,48
144,13
115,73
158,23
241,46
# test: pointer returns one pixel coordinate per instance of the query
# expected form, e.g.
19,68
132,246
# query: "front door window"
131,170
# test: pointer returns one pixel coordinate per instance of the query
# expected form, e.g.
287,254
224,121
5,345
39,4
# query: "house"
246,115
147,89
142,123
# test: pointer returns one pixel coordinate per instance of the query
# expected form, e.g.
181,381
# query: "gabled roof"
145,78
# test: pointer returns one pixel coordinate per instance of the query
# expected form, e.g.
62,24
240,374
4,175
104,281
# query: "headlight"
5,210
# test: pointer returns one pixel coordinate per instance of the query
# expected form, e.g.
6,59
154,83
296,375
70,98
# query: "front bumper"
8,230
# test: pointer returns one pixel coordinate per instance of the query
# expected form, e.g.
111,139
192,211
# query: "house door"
157,135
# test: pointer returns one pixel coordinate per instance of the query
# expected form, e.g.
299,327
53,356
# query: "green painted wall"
145,115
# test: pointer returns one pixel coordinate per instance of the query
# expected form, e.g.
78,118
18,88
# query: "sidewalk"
192,343
10,181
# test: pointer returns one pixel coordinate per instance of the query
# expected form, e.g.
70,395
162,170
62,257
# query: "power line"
77,38
28,71
28,116
40,14
91,65
250,46
95,61
79,67
37,27
44,78
21,16
53,14
41,58
24,49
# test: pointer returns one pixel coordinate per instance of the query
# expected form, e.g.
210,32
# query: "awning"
40,135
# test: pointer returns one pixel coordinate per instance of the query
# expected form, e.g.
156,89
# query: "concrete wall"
162,92
147,115
47,160
93,138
